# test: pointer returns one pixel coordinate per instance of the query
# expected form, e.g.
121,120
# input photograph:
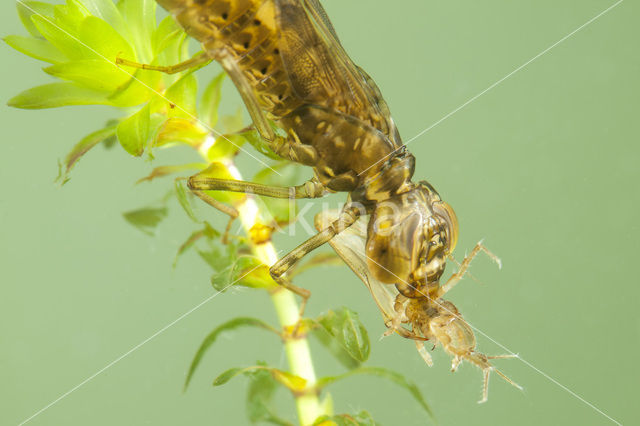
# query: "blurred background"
544,167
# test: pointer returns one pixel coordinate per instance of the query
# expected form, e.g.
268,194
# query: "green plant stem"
287,309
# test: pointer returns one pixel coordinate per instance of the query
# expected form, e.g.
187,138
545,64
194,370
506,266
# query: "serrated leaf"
208,231
146,219
134,132
163,171
211,101
95,74
384,373
182,97
27,8
82,147
210,339
345,326
36,48
105,42
55,95
180,130
291,381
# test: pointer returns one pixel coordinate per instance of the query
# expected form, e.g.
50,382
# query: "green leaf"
226,146
228,375
82,148
221,256
208,232
254,273
70,16
383,373
334,347
180,130
62,39
345,326
105,42
262,387
108,12
247,271
291,381
95,74
182,97
140,16
211,339
27,8
167,33
211,101
184,198
146,219
140,87
261,145
36,48
233,123
363,418
163,171
55,95
134,132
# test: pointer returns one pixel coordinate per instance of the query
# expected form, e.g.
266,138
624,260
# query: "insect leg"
310,189
399,309
197,60
426,356
198,184
224,208
464,266
246,92
296,152
348,217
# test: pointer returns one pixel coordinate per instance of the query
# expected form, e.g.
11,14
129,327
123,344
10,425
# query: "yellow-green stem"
297,350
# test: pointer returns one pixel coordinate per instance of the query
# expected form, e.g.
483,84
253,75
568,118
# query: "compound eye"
445,211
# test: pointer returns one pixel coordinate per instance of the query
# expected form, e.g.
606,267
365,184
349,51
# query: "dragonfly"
292,72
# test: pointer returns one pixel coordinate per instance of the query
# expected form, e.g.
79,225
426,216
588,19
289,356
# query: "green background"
544,167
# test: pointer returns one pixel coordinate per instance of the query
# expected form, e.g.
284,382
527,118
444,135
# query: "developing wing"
350,246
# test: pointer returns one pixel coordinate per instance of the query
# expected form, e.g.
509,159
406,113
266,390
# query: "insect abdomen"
247,31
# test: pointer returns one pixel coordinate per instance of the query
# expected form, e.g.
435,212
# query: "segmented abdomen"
284,62
247,31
